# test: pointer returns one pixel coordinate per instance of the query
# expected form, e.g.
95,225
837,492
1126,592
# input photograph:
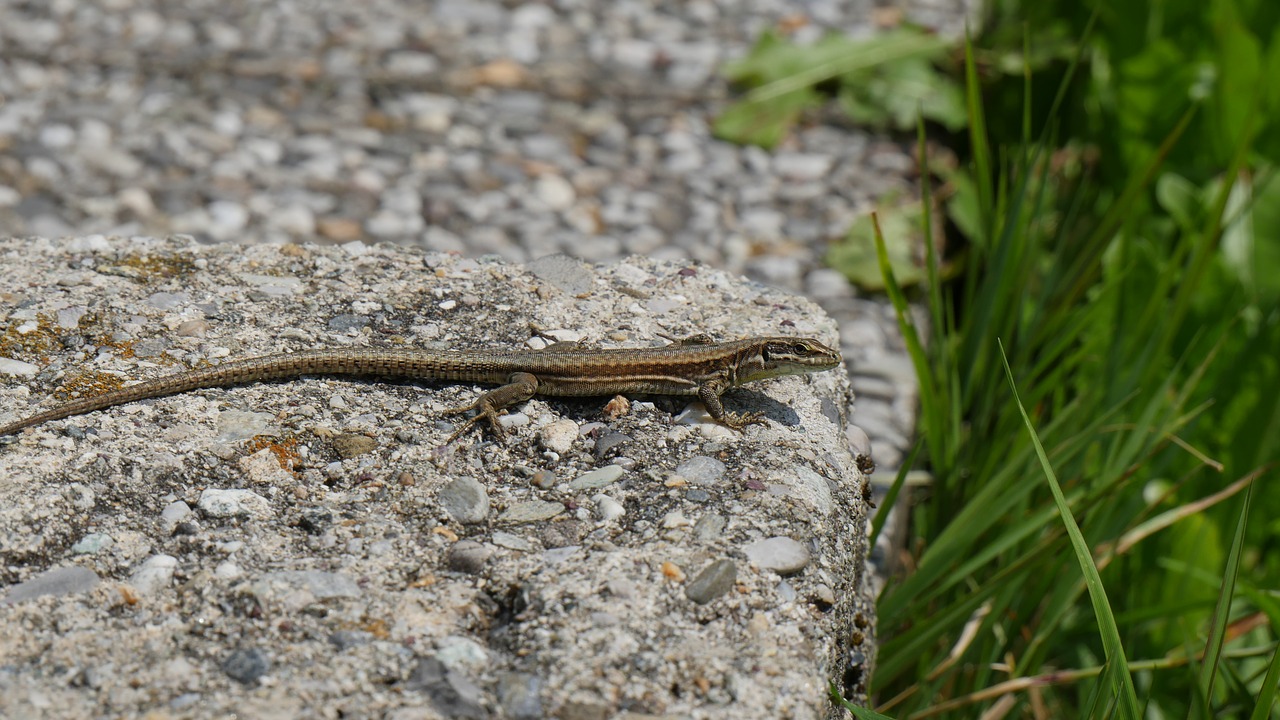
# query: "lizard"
695,366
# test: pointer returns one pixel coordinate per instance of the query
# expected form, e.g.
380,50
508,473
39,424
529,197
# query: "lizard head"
777,356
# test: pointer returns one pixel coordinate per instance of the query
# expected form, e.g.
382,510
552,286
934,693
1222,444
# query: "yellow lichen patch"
21,340
88,384
285,449
149,268
123,348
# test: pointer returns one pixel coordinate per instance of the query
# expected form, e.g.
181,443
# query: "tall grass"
1072,559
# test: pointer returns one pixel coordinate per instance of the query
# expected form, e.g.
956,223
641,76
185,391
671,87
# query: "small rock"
246,666
564,272
263,468
349,445
556,192
558,436
802,166
55,582
233,503
609,442
531,511
701,470
715,580
461,653
320,584
608,509
154,575
466,500
451,692
347,639
511,542
9,366
92,544
468,556
174,513
778,554
519,695
709,527
598,478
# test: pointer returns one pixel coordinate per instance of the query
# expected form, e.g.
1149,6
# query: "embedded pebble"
520,695
349,445
93,543
511,541
233,503
55,582
713,581
319,584
154,574
452,693
607,508
263,468
531,511
558,436
347,639
466,500
246,666
468,556
709,527
778,554
457,652
10,366
598,478
701,470
174,513
564,272
814,489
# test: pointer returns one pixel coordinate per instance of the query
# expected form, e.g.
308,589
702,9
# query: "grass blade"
1111,642
1222,613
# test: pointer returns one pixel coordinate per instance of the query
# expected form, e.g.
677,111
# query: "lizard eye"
800,349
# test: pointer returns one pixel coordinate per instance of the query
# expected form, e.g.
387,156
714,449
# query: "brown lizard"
693,366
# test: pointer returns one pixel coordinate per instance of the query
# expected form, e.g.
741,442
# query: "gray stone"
154,575
55,582
451,692
468,556
564,272
598,478
518,693
778,554
713,581
531,511
246,665
466,500
701,470
233,503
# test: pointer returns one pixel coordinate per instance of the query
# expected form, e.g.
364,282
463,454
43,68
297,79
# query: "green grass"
1100,373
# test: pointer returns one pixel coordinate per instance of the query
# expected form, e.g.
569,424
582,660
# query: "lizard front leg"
520,387
709,393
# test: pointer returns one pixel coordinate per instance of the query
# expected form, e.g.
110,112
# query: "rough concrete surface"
308,549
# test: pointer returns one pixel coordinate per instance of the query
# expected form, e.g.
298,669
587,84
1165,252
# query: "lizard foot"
739,421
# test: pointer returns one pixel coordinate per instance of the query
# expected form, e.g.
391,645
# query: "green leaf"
1181,199
855,254
789,78
764,122
892,94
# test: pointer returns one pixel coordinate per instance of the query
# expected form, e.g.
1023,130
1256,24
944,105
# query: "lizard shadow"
735,400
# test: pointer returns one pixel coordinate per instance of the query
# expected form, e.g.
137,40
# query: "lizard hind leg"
520,387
